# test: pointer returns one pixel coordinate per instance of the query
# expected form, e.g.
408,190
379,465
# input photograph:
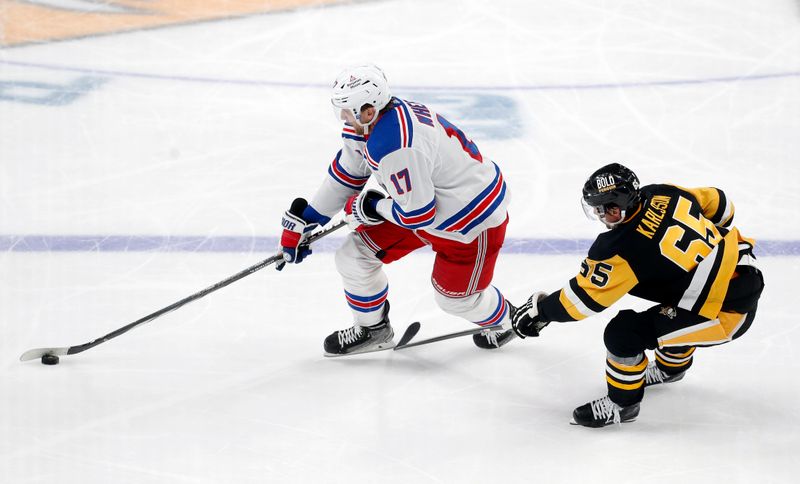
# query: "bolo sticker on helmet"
608,183
605,183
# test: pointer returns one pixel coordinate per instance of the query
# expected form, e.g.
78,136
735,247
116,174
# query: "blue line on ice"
259,244
302,85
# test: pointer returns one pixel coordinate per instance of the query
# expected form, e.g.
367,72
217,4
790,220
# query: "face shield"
348,115
600,213
355,117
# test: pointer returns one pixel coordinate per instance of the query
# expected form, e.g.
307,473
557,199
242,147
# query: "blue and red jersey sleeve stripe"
350,133
414,219
479,208
338,173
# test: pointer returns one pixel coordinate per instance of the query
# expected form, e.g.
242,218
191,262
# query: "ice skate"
653,375
494,339
361,339
602,412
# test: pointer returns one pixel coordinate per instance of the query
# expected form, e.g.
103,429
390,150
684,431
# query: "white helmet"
356,86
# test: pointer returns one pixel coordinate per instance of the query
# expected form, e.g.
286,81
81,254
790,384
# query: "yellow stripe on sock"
625,386
619,366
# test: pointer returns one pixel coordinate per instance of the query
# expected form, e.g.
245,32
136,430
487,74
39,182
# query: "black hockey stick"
412,331
71,350
414,328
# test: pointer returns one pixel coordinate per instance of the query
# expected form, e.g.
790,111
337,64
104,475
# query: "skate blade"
381,347
573,422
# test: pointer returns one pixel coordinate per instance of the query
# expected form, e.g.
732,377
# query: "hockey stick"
412,331
414,328
71,350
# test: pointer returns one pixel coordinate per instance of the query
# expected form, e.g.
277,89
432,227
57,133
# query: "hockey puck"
49,359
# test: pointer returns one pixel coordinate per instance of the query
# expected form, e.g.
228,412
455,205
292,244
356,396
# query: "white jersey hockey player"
442,192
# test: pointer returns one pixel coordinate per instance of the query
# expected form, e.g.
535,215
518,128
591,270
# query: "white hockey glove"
295,232
361,209
525,320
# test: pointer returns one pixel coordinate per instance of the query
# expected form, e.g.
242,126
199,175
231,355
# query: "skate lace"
491,336
350,335
653,375
604,408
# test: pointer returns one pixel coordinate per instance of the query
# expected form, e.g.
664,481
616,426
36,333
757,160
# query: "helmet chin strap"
612,225
366,126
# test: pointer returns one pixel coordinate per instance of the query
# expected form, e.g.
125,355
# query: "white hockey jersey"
437,179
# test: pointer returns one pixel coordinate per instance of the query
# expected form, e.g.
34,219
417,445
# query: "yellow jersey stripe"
731,321
571,307
713,303
707,197
605,292
701,334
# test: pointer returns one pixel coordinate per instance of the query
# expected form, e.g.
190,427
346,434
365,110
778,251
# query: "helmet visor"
352,116
598,212
591,212
349,116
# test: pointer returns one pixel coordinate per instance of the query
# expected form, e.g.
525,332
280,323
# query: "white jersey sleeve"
347,174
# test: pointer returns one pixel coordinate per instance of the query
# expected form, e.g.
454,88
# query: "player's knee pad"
626,335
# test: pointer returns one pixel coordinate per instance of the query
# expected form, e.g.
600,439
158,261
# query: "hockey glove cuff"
362,208
526,321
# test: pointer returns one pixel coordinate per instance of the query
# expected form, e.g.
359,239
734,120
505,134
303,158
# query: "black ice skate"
361,339
490,340
602,412
653,375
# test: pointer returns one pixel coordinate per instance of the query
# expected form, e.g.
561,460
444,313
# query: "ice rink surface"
137,168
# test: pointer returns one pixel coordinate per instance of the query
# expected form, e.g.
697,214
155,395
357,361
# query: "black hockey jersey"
676,249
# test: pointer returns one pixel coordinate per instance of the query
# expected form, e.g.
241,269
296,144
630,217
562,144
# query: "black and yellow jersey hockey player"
670,245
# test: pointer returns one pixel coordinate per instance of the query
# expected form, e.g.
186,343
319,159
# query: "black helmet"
611,186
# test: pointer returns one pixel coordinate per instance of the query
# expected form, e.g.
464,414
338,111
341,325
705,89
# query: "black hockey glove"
525,320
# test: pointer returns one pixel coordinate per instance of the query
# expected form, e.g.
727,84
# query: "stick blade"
411,331
37,353
405,343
